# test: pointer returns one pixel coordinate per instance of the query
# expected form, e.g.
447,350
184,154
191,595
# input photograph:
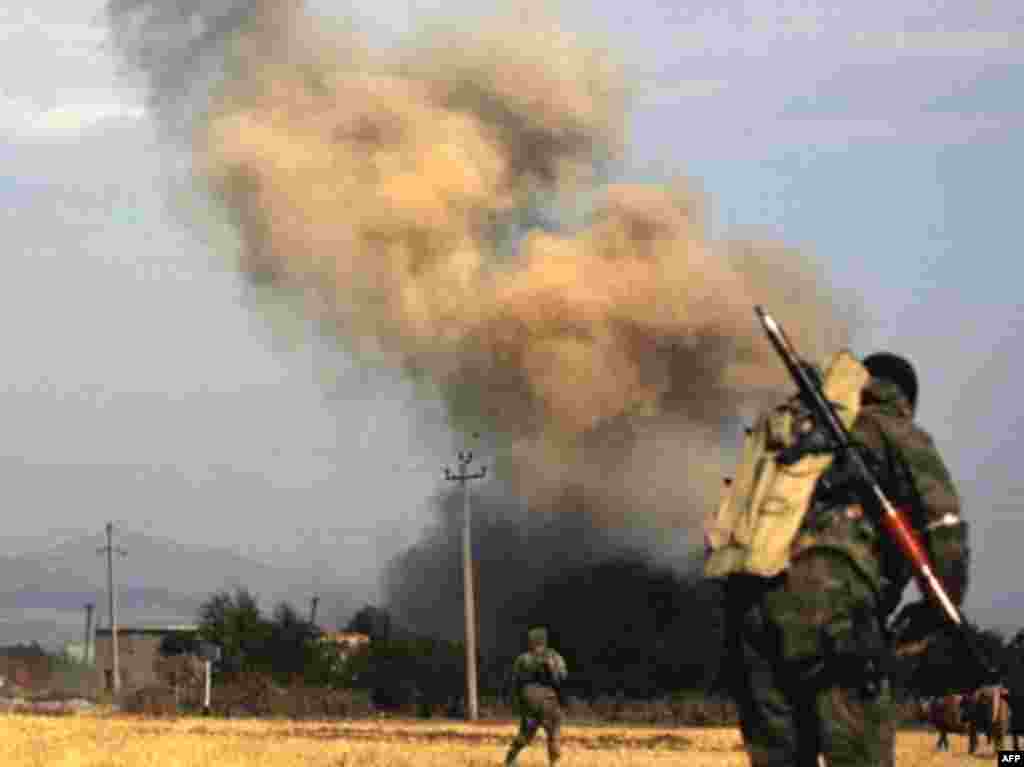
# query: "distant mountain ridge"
160,580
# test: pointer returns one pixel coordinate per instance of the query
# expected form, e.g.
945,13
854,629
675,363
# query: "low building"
24,666
138,650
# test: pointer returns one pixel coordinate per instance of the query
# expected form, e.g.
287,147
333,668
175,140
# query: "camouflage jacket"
544,667
914,477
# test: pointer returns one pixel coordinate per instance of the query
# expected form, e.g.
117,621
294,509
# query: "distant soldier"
537,676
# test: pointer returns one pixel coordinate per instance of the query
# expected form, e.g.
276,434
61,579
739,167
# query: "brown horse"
1016,701
990,714
984,711
946,714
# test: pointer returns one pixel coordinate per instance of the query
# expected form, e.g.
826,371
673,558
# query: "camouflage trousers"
538,708
805,651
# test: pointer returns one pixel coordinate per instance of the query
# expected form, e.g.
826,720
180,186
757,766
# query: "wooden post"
109,550
465,457
88,632
206,697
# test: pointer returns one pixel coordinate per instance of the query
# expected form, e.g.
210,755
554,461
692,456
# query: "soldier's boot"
513,752
554,753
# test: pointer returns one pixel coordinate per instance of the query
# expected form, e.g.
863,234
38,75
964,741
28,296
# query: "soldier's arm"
558,667
943,530
514,678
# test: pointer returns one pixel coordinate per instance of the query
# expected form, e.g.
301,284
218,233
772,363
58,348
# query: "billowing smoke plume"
389,188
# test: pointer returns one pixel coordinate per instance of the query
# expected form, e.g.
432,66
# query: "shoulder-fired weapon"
892,519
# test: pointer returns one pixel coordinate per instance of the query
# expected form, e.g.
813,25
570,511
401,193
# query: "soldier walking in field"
808,578
537,676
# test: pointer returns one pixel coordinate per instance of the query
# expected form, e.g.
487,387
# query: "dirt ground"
91,740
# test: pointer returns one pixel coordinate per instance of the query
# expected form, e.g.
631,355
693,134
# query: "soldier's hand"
806,436
977,660
813,442
916,626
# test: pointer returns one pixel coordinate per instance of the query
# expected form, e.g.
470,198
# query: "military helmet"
896,369
537,635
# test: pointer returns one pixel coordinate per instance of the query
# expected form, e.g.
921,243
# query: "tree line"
625,628
395,667
945,666
658,639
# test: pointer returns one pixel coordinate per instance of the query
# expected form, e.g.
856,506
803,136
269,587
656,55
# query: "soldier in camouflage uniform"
807,648
537,676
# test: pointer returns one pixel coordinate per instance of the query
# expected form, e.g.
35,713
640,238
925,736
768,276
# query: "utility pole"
463,477
312,609
110,550
208,664
209,652
88,632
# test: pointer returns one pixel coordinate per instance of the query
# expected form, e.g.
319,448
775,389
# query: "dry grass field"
122,741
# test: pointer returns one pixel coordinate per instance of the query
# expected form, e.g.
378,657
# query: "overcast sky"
140,385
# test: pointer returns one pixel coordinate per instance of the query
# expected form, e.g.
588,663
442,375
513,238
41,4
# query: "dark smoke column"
465,457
